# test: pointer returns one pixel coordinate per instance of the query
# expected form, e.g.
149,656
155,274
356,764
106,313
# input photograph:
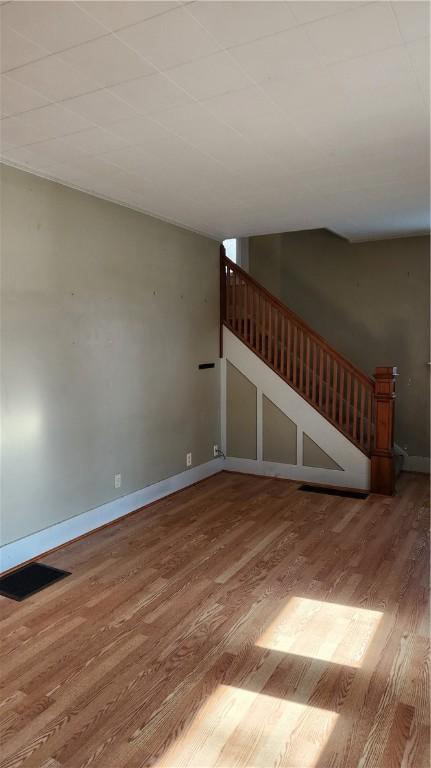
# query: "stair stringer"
355,472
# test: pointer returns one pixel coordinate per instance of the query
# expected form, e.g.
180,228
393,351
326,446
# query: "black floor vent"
28,580
334,491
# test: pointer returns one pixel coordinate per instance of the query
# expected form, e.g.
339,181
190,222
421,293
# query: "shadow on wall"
385,344
369,301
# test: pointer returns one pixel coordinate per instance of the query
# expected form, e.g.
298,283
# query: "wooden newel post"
382,454
222,295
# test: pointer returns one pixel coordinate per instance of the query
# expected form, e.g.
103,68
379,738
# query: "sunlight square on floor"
236,727
322,630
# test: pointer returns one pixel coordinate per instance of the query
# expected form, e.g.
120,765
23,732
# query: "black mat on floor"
29,579
334,492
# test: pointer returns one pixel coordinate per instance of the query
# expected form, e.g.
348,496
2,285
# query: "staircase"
359,407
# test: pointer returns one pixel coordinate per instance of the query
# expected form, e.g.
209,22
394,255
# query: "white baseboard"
35,544
294,472
416,464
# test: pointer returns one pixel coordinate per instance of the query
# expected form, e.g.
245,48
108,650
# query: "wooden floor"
239,623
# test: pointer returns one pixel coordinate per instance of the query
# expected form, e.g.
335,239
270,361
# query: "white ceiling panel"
95,141
170,39
277,55
198,127
101,107
235,155
231,118
53,78
96,168
176,156
16,98
308,11
134,160
55,151
396,204
355,137
419,53
30,161
15,133
305,95
210,76
107,60
163,156
151,94
376,171
413,18
385,73
115,15
22,156
139,130
53,121
16,50
194,123
53,25
357,32
251,112
231,26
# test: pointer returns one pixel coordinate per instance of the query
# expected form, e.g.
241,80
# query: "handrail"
298,321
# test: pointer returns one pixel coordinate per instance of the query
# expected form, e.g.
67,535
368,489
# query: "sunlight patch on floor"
237,727
319,630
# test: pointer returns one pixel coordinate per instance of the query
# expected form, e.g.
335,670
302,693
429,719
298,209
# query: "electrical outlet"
215,450
117,481
188,459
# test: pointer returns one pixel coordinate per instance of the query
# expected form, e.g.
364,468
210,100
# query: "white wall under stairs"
354,466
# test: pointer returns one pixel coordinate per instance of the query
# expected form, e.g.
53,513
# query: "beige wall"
370,300
106,314
241,414
313,456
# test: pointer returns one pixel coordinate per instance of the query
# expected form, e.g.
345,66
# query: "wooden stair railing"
358,406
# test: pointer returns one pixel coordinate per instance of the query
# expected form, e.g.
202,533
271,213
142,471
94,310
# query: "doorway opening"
231,248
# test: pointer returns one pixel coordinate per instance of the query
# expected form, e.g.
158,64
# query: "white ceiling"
231,118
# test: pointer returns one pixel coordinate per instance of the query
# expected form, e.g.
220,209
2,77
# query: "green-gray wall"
370,300
279,434
106,315
241,414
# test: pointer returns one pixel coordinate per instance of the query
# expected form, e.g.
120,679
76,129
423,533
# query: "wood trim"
222,295
300,482
382,454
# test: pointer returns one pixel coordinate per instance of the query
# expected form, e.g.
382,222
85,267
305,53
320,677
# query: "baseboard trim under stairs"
284,472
